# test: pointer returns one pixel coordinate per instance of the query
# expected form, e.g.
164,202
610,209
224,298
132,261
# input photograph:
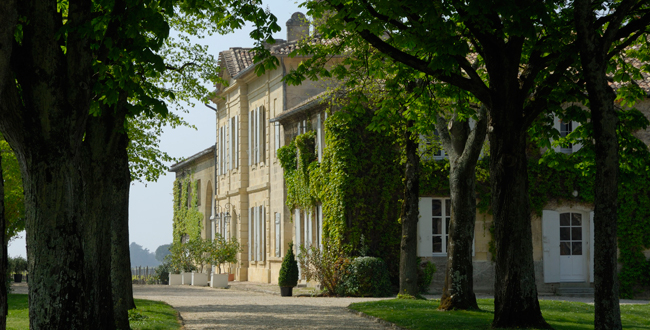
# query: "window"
565,129
570,234
319,138
441,216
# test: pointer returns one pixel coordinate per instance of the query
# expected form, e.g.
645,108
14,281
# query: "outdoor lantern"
227,217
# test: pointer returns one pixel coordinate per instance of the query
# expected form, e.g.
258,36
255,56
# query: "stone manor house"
243,191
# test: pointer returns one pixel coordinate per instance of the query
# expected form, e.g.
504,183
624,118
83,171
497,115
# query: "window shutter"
277,138
576,146
250,138
222,161
257,233
278,238
551,245
237,141
591,247
262,135
320,227
425,228
218,146
250,228
297,222
318,138
263,233
556,125
230,142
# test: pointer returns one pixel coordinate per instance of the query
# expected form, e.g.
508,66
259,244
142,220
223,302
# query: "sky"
150,203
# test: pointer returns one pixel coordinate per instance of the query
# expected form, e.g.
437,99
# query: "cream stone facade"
249,199
243,191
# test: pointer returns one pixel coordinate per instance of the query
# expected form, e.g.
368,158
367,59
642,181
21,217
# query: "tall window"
441,216
571,234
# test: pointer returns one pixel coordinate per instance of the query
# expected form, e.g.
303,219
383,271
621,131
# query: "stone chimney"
297,27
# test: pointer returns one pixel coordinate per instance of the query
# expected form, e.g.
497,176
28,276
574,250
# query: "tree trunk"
3,260
463,149
108,146
593,56
408,267
515,292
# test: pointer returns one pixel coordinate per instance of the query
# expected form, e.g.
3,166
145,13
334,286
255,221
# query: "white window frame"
278,234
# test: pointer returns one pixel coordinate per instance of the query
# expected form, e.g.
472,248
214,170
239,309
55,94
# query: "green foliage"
222,251
181,258
328,266
14,197
162,251
367,277
425,275
19,265
162,272
289,269
555,176
187,217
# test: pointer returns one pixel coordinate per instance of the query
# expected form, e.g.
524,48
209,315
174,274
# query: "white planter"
219,280
199,279
175,279
187,278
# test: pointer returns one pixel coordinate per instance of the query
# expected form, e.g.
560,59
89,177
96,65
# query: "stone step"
575,291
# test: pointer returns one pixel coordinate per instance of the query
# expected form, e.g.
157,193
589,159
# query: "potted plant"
288,273
180,264
20,266
221,251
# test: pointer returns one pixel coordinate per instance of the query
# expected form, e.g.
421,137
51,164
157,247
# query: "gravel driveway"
207,308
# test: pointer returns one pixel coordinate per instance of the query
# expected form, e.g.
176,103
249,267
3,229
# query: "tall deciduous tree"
523,51
71,72
463,145
600,39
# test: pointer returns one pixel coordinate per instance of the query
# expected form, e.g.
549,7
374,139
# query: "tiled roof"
238,59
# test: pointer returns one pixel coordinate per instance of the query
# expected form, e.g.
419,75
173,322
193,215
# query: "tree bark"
408,267
463,147
593,57
515,291
3,259
68,246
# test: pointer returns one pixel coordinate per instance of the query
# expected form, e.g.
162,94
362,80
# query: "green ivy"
358,182
556,176
187,220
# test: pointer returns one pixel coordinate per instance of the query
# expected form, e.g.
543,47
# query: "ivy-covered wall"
187,217
358,182
556,176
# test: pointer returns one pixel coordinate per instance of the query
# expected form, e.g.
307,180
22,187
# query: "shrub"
289,270
328,267
222,251
162,272
425,275
367,276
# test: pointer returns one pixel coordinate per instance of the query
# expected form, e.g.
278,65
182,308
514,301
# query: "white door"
572,247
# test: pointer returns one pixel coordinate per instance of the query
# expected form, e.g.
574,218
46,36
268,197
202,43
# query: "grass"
423,314
150,315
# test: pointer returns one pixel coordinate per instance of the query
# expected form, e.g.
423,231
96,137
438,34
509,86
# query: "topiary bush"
289,270
367,277
425,275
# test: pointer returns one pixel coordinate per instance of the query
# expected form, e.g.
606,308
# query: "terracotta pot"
286,291
231,277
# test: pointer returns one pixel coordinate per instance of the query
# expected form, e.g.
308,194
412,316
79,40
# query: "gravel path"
207,308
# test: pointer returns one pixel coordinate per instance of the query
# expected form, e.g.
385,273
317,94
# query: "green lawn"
154,315
423,314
